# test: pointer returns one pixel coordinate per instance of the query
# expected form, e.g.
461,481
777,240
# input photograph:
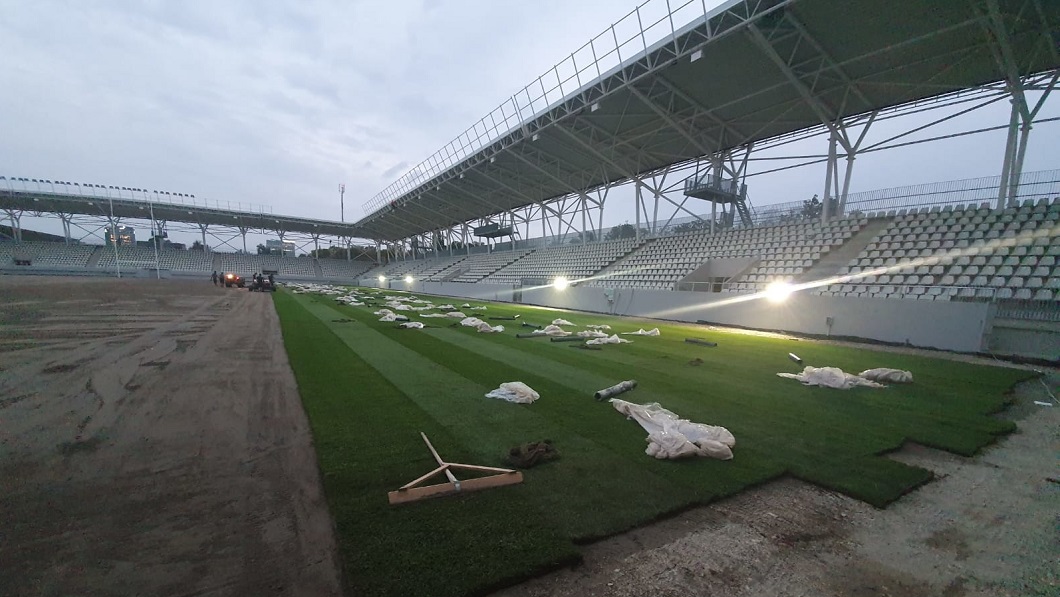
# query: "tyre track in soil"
172,461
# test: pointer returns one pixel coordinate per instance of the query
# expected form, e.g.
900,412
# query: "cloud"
395,170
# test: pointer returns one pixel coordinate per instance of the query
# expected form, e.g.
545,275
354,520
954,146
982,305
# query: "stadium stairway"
93,259
833,261
623,263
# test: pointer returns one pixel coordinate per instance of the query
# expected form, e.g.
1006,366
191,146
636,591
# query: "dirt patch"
154,445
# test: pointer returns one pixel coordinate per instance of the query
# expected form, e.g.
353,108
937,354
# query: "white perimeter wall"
957,326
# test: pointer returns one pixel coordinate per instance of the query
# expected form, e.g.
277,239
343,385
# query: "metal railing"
1033,185
104,192
628,39
712,181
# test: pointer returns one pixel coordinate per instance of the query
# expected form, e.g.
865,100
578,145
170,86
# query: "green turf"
369,388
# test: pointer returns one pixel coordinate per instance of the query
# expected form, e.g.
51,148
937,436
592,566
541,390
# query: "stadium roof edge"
852,60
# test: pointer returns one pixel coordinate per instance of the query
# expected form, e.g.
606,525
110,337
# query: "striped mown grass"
369,388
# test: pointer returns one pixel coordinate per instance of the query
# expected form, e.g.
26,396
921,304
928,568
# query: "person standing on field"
213,278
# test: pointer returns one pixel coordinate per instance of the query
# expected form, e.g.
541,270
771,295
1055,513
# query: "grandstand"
959,253
341,269
46,254
42,257
171,259
967,253
474,270
427,269
284,266
572,262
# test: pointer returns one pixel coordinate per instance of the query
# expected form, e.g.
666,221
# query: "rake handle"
441,463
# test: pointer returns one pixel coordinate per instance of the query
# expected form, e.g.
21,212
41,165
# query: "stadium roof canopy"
748,71
91,202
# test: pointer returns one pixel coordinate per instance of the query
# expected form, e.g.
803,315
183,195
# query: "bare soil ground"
152,442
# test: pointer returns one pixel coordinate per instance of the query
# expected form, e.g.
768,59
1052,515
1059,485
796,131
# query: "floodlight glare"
408,279
560,283
382,279
778,292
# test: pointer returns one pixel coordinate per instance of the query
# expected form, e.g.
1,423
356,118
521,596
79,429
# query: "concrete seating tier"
572,261
341,269
962,253
46,253
301,267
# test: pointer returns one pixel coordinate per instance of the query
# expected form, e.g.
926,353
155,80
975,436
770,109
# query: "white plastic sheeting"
443,315
643,332
670,436
514,391
593,326
830,377
456,314
551,330
591,334
608,340
883,374
561,322
391,317
415,325
481,326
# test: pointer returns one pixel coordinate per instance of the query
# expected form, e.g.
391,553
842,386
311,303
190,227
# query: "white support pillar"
202,229
66,226
1010,152
585,208
833,139
636,235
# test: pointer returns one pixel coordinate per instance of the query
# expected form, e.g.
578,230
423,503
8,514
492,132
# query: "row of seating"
573,262
45,253
76,255
984,253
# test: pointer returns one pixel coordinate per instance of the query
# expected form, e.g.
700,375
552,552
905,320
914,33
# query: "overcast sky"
276,103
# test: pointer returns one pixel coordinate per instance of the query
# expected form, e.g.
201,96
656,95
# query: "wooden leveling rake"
412,491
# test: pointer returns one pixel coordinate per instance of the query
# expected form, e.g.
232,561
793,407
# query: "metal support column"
636,235
1010,151
203,228
66,226
154,240
833,139
16,223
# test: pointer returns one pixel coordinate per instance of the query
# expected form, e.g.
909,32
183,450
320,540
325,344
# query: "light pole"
154,235
114,236
342,212
342,202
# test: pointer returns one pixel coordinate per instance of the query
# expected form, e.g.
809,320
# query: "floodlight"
408,279
382,279
560,283
778,292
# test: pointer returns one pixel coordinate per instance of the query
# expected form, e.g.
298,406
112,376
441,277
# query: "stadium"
162,435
